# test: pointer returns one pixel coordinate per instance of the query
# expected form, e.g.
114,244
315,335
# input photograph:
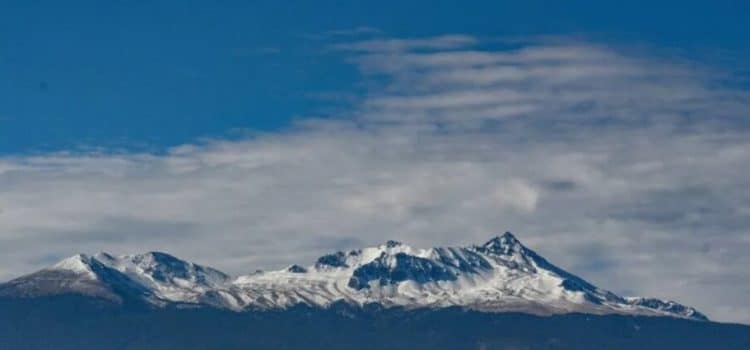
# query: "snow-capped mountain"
500,275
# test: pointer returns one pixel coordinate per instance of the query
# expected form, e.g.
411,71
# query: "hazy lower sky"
614,139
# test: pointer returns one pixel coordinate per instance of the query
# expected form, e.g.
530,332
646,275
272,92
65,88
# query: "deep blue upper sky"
138,75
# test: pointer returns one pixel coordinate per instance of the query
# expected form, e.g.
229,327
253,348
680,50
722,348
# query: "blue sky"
148,75
613,139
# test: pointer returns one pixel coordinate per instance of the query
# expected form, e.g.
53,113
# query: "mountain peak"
392,243
503,244
79,263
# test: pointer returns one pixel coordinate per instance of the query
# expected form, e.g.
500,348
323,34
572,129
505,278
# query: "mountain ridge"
501,275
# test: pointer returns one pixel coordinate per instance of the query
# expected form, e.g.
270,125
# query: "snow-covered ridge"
498,276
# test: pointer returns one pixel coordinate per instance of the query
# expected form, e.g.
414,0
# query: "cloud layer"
625,167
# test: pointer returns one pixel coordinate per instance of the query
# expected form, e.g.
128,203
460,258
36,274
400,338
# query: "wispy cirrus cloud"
627,168
558,81
393,45
354,32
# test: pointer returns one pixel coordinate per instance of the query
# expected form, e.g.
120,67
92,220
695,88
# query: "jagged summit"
506,238
78,263
506,244
392,244
497,276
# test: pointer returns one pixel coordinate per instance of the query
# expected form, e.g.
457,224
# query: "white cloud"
627,169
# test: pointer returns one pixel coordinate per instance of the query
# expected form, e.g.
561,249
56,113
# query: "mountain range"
501,275
495,295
